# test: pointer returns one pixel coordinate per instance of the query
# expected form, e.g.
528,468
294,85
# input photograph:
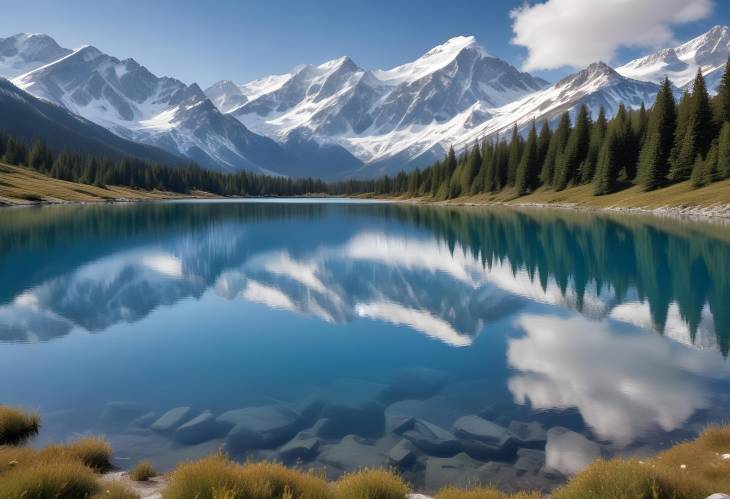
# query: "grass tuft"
94,452
371,484
216,477
49,481
143,472
17,426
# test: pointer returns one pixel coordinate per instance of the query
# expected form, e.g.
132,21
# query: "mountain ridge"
336,119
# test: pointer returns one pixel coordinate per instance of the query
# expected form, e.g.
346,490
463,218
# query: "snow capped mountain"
708,52
337,120
26,117
24,52
374,113
126,98
596,86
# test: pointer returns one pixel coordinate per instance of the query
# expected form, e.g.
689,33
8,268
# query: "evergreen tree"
609,166
723,151
451,163
543,142
500,166
575,151
15,152
515,155
598,134
626,144
470,170
705,171
480,180
557,144
721,103
701,112
528,169
655,154
688,151
681,126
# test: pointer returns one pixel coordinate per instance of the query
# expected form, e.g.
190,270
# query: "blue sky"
204,42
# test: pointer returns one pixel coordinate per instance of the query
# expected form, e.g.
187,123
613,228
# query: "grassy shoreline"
678,199
21,186
692,469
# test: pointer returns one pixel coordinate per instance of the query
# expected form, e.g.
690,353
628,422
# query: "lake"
459,345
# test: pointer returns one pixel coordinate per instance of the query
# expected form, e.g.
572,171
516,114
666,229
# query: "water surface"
459,345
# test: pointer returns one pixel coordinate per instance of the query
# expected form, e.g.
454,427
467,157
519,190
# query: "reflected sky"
622,322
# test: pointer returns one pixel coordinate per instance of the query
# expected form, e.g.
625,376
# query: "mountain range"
333,120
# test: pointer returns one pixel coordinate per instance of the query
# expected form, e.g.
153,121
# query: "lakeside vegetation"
636,152
688,470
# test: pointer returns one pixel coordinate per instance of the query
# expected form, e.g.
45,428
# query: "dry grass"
68,480
94,452
143,472
682,194
686,471
371,484
216,477
483,493
20,185
17,426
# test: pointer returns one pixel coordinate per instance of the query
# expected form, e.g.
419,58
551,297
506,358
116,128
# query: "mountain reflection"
445,273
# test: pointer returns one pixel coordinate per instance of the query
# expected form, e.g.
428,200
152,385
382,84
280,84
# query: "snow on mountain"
379,115
708,52
596,86
27,117
126,98
434,59
25,52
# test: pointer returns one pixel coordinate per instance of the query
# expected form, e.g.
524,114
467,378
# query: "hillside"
682,198
22,186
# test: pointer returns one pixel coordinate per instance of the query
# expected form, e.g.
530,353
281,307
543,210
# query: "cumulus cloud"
623,384
578,32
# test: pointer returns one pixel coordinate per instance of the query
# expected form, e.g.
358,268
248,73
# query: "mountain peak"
341,62
88,53
433,60
596,73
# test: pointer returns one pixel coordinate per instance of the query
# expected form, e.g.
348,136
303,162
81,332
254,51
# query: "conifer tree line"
670,142
135,173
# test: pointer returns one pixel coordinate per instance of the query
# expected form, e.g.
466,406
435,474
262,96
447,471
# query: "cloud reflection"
623,383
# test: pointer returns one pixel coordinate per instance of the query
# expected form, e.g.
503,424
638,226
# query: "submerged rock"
169,421
263,427
569,452
336,421
531,435
201,428
303,447
430,438
529,461
352,453
481,438
402,455
459,471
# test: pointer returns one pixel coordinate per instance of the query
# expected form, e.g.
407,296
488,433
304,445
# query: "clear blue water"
493,345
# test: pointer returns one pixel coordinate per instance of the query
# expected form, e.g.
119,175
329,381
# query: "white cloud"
578,32
623,384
